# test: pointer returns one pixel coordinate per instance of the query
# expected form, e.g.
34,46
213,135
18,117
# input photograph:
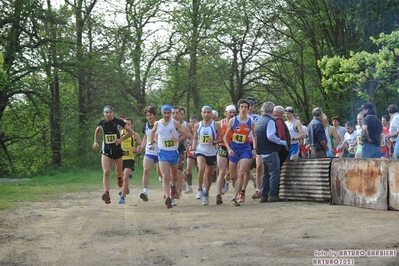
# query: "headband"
108,108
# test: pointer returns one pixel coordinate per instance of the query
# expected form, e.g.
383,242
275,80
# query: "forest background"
62,61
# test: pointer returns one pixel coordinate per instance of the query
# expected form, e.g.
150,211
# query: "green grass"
54,182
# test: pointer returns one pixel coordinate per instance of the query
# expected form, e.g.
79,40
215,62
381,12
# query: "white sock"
145,191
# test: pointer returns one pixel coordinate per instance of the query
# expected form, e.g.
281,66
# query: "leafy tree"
304,32
142,41
364,72
192,21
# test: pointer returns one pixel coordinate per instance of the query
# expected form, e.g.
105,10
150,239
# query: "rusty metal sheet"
306,180
393,184
360,183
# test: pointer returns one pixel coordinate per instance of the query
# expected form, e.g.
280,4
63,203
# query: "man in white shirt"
393,112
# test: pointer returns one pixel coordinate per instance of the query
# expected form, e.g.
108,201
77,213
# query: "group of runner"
221,150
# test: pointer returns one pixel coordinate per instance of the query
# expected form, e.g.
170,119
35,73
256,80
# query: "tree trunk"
192,72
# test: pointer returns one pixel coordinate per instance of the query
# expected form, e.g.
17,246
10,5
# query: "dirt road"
79,229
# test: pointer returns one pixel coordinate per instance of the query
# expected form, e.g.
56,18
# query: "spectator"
340,129
333,138
386,145
317,136
371,137
393,112
349,144
366,109
268,146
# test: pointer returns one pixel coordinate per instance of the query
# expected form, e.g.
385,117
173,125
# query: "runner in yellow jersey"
129,150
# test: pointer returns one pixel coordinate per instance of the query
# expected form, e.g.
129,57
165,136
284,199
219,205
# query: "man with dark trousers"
268,147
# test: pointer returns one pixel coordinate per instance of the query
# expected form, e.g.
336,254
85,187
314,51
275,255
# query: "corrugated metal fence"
306,180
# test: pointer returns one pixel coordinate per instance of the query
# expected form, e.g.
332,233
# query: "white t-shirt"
305,129
394,125
341,132
351,140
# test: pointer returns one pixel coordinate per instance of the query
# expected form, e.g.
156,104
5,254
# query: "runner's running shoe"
168,203
234,203
173,192
143,196
120,182
225,187
127,192
241,197
121,200
219,199
200,193
174,202
189,190
256,195
106,198
205,200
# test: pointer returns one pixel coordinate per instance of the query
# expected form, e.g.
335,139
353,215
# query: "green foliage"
189,53
362,68
29,150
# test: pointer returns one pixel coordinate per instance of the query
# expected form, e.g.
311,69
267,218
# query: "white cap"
214,112
231,108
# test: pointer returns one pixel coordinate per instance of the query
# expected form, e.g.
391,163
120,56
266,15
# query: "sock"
200,189
145,191
206,194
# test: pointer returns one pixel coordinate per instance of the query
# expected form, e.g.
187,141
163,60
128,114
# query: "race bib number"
239,138
204,139
169,143
222,152
383,143
109,138
126,153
